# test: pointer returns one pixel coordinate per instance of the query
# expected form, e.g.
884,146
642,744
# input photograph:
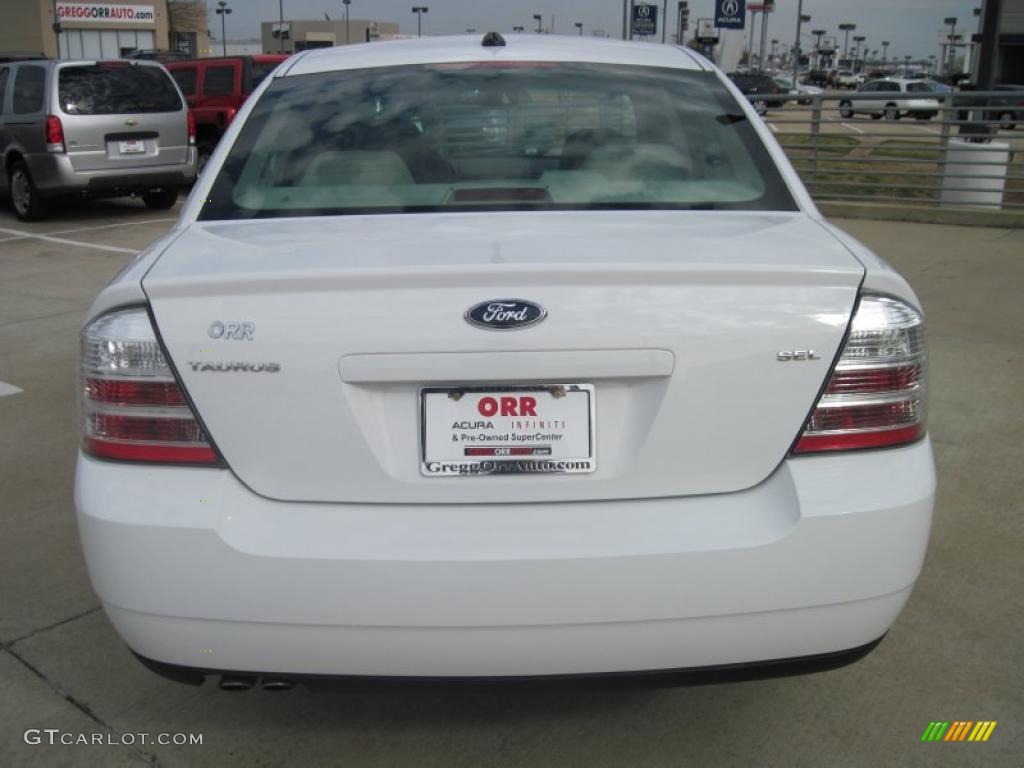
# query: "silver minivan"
95,128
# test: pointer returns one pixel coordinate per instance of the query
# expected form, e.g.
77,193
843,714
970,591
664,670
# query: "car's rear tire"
1007,121
876,115
892,112
25,198
161,199
845,110
923,116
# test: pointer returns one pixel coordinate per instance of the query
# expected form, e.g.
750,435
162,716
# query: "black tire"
892,112
161,199
923,116
876,115
1006,121
845,110
25,199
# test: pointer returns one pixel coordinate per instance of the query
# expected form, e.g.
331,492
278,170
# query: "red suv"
216,89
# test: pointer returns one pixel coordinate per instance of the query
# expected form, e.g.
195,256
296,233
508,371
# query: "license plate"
507,430
131,146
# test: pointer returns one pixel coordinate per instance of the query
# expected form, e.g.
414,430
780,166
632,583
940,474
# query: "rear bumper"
54,174
194,570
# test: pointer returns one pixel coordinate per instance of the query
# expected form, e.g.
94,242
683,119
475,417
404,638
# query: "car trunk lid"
337,325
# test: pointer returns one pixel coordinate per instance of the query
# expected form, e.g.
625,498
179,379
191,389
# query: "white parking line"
111,226
772,126
852,127
8,389
926,129
64,241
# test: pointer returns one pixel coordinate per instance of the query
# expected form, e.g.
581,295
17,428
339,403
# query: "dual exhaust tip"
248,682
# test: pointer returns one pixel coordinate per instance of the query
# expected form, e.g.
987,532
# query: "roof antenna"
493,40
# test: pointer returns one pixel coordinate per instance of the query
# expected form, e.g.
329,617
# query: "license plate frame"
131,146
547,460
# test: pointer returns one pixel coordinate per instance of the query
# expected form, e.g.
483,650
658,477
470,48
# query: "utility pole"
280,26
348,37
858,39
625,19
764,33
664,20
540,22
579,26
750,51
885,52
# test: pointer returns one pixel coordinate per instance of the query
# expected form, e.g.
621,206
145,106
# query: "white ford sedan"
475,357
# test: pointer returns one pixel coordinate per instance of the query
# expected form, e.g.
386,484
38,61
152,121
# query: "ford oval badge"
505,314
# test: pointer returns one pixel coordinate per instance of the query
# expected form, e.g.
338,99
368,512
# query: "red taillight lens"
190,121
133,408
54,134
876,394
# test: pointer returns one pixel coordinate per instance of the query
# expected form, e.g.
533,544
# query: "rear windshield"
259,70
510,136
116,89
922,87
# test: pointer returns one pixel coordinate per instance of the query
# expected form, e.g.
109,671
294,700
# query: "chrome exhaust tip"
236,683
276,684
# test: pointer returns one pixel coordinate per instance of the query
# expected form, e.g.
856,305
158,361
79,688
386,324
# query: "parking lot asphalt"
956,653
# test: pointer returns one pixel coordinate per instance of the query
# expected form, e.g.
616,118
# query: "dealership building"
292,36
101,30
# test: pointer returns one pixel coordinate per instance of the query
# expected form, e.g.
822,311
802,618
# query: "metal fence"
960,149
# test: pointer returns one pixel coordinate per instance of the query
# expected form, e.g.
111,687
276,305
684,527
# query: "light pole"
539,19
951,21
847,28
348,38
885,52
579,26
858,39
800,20
419,10
818,34
518,29
223,11
280,26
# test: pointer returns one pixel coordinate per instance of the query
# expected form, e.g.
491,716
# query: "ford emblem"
505,314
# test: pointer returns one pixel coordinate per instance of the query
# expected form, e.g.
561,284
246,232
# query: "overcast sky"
912,26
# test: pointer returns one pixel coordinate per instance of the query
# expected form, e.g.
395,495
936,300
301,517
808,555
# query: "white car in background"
472,357
888,98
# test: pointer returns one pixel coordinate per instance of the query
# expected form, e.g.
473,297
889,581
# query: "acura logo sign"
505,314
730,7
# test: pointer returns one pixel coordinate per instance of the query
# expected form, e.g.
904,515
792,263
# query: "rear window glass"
116,90
186,80
259,71
218,81
536,136
29,88
920,87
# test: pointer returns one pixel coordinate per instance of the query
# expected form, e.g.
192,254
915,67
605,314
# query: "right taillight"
133,408
54,134
875,397
190,124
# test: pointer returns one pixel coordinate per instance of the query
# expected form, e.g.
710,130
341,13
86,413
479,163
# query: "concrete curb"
968,217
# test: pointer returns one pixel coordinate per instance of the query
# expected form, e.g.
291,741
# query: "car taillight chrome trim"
133,408
875,396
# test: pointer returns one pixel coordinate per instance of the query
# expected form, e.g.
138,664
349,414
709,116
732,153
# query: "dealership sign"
105,13
645,19
729,14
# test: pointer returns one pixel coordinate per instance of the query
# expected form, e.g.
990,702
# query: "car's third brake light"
876,394
133,408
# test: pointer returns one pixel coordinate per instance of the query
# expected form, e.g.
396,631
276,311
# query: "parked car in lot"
805,91
97,128
1004,111
216,89
847,78
486,357
887,100
758,88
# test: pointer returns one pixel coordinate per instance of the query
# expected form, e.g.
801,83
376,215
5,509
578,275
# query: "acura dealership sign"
729,14
105,13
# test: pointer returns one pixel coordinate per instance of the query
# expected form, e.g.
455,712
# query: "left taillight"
54,134
132,406
190,121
